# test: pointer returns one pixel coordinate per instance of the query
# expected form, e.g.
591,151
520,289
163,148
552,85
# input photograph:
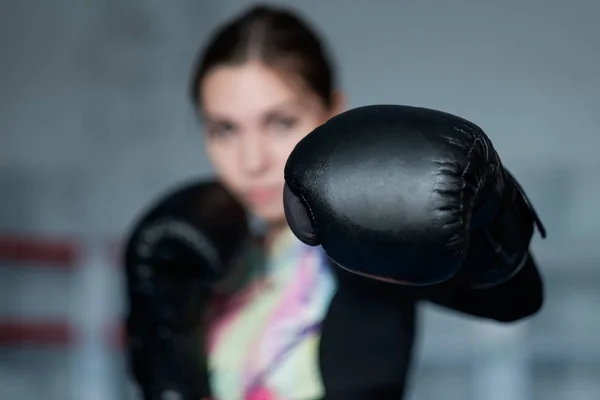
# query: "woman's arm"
425,199
518,298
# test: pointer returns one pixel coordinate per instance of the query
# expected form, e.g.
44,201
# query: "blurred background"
95,121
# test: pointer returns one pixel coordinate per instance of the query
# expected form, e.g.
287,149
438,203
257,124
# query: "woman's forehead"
249,89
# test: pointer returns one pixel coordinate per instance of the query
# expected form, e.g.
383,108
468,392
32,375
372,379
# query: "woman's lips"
262,196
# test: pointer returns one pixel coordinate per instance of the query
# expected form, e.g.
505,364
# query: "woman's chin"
272,214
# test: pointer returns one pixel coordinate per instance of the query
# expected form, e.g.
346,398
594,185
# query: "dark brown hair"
277,37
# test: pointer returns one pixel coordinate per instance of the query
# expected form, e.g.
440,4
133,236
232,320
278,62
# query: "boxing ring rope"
50,252
91,332
96,333
74,296
20,332
20,251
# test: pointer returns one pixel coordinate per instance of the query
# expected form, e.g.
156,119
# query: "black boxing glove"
409,195
178,250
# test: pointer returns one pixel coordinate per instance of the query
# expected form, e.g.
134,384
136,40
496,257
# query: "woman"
262,84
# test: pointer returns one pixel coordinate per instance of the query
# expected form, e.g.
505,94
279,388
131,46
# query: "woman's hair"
275,37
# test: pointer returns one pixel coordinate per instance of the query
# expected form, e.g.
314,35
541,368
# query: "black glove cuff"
498,251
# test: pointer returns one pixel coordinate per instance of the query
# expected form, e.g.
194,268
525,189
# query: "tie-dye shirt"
264,327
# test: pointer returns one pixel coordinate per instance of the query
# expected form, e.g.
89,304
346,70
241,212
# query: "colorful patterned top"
264,327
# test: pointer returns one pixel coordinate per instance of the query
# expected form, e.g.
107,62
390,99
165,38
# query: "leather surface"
413,196
391,190
178,249
499,249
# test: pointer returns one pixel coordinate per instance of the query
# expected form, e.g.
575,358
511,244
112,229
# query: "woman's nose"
254,157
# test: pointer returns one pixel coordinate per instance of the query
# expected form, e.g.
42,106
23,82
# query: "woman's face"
254,119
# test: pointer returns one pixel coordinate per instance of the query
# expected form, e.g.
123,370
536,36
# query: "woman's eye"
283,124
221,131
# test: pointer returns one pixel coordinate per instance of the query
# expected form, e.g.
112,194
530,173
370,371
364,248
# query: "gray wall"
94,121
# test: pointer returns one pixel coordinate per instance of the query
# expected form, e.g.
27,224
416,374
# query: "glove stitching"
476,140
